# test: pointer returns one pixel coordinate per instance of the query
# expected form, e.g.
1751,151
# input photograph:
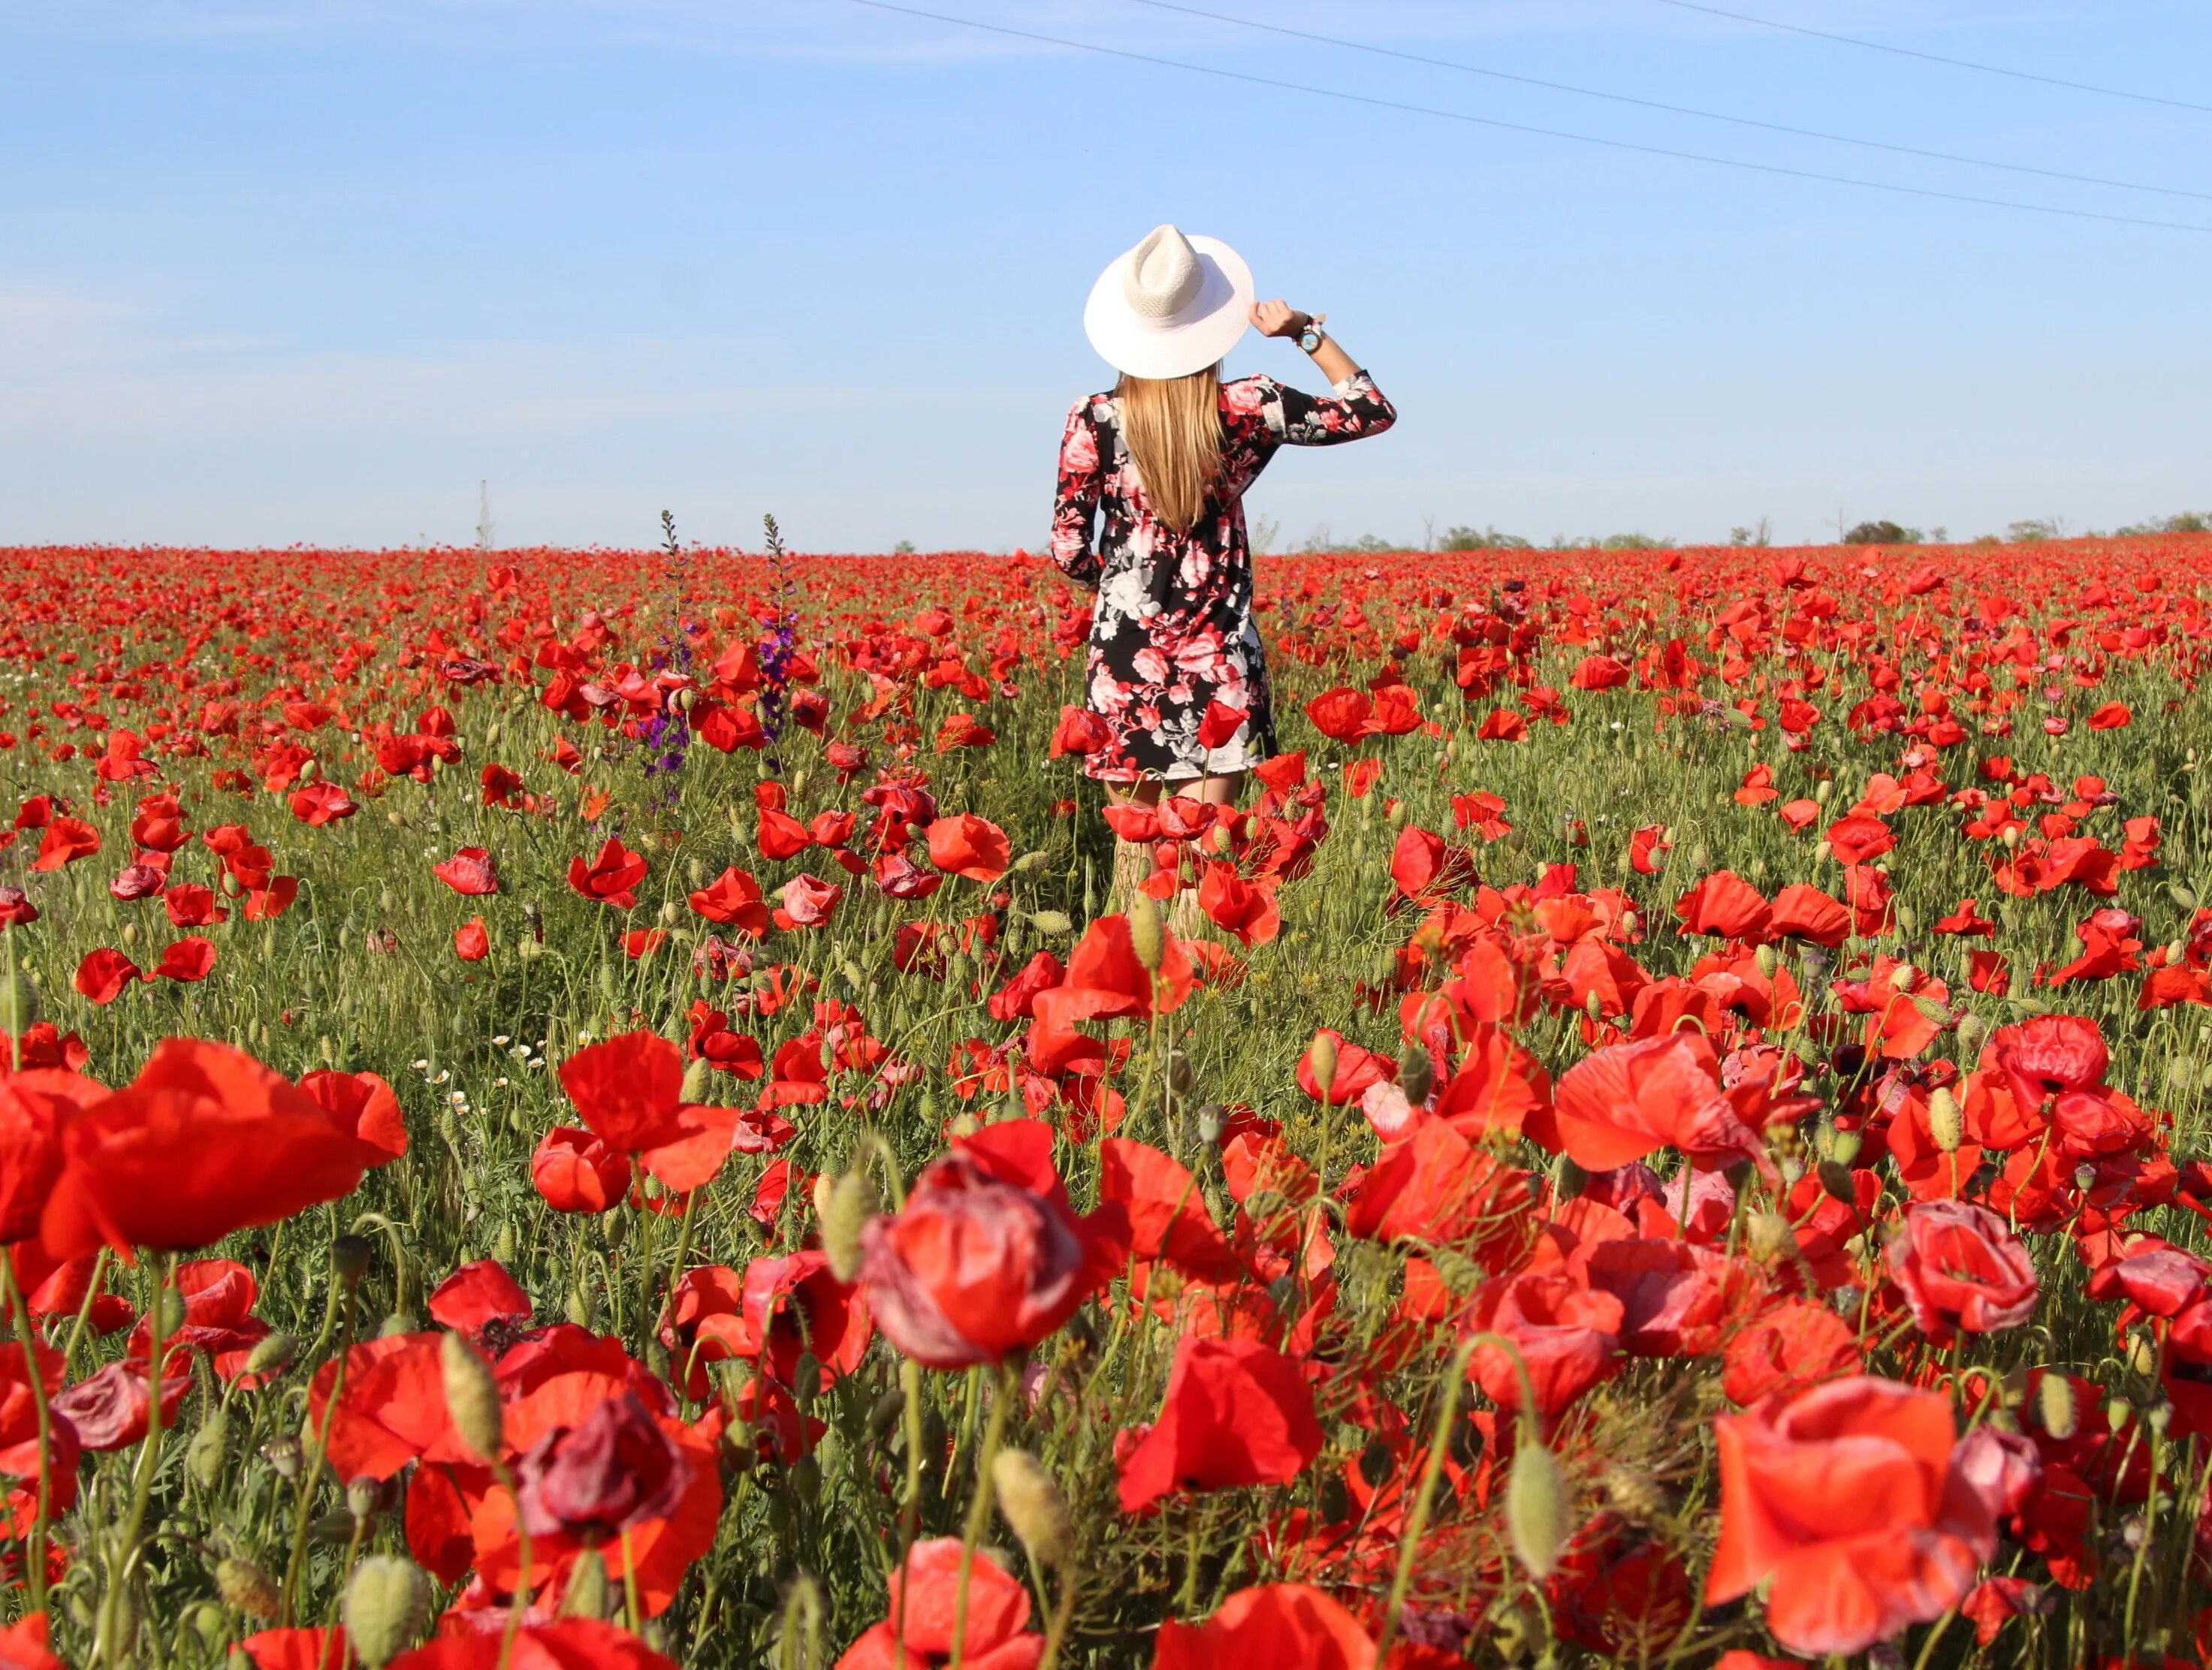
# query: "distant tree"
1264,531
1759,535
904,548
1635,541
2189,521
2034,530
1884,532
1460,538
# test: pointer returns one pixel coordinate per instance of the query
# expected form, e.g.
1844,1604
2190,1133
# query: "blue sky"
308,270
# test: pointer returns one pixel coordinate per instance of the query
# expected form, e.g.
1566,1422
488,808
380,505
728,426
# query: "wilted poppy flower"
975,1268
808,902
594,1480
204,1141
1962,1266
925,1610
1274,1624
1235,1412
111,1410
1847,1502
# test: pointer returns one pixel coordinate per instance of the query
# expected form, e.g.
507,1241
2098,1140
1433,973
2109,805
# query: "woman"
1177,672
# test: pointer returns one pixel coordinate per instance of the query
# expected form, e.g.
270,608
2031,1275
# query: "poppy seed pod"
471,1397
1945,1121
2054,1405
247,1586
387,1602
1147,934
1536,1507
1033,1505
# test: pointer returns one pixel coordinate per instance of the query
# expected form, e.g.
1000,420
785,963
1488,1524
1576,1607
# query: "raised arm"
1082,474
1305,420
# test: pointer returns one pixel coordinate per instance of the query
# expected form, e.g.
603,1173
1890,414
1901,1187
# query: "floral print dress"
1176,665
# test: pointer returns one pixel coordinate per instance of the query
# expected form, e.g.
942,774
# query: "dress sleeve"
1082,474
1356,409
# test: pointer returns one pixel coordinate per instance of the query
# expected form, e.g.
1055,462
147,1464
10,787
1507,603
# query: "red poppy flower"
189,960
477,1295
1847,1502
1166,1213
1621,1103
969,845
469,871
321,804
611,877
1568,1337
24,1646
204,1141
808,902
733,900
192,906
1236,1413
577,1172
614,1469
1080,731
925,1610
472,940
1276,1623
628,1091
66,841
363,1105
1860,840
1340,714
104,973
1726,905
1962,1266
35,1105
1801,911
566,1643
976,1267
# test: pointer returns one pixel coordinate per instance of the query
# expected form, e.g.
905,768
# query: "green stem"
109,1649
1409,1541
35,1559
311,1469
979,1506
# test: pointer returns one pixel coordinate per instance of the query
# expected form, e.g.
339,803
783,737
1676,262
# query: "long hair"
1173,426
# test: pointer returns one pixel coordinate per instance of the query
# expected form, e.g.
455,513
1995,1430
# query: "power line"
1936,57
1524,127
1671,109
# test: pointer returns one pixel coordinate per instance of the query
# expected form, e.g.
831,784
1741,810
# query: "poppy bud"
19,1004
365,1496
205,1457
1974,1033
1054,922
1568,1179
2118,1413
586,1594
1821,852
1029,861
1321,1058
844,1207
1417,1072
2054,1405
1907,919
1770,1236
2182,895
1836,1179
1902,976
698,1080
2143,1356
1147,934
471,1397
1033,1505
1213,1120
2159,1417
1536,1507
2011,837
1594,1005
1945,1122
1823,791
247,1586
387,1602
1181,1074
349,1256
285,1455
1766,960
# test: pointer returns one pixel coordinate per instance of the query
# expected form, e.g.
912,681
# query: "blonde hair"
1173,427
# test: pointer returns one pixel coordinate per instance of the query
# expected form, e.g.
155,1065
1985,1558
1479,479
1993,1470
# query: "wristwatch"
1313,335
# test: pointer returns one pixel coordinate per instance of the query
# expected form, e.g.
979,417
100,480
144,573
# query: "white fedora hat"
1172,306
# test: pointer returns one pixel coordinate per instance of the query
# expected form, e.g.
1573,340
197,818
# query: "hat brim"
1200,336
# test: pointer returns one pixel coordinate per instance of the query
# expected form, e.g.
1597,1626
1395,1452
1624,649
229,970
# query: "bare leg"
1132,859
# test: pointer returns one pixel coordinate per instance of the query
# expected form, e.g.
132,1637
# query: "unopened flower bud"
698,1080
1767,960
1770,1237
1974,1033
206,1456
349,1256
586,1594
387,1602
2054,1405
2118,1413
1147,933
1417,1072
272,1354
247,1586
1945,1122
472,1397
1902,976
1536,1507
1033,1505
1321,1061
844,1208
19,1004
1823,791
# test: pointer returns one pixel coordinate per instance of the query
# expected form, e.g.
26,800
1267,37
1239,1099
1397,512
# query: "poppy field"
587,1109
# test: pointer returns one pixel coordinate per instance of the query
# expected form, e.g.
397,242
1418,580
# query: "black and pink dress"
1175,665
